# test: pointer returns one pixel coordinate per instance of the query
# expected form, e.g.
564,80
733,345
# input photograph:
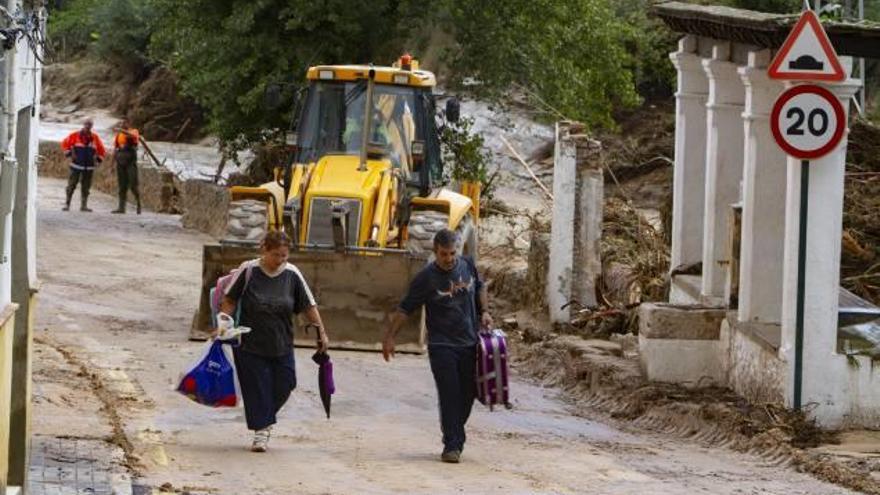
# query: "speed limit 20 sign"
807,121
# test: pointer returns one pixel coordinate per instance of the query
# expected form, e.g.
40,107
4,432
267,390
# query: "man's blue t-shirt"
450,302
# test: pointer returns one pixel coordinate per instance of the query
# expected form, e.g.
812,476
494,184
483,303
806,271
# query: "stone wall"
751,362
204,206
681,344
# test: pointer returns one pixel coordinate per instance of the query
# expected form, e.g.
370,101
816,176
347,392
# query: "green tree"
73,28
648,42
226,52
116,30
568,57
124,34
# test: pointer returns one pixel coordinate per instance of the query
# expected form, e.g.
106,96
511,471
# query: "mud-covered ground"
116,303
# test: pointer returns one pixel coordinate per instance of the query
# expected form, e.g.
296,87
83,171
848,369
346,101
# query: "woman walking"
271,291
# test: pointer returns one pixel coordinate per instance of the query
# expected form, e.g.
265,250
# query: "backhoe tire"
247,220
424,225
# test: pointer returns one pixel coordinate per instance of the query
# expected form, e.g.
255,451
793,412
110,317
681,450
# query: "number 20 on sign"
807,121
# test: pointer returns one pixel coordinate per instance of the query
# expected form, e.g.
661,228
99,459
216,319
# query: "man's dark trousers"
454,371
127,177
75,175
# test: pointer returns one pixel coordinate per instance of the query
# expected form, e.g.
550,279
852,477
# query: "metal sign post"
807,122
801,285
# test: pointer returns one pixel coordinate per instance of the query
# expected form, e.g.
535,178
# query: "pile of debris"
635,257
151,99
860,256
261,169
601,380
161,110
635,265
644,143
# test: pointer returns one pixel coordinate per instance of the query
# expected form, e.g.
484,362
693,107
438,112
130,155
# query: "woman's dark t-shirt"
268,303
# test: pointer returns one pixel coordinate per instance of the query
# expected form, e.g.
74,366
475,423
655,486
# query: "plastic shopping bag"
211,380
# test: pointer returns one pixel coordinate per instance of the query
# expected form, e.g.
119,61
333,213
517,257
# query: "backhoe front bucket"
355,291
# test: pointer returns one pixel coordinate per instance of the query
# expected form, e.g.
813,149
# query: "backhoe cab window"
333,121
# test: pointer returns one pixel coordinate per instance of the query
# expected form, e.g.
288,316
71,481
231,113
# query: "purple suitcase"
492,385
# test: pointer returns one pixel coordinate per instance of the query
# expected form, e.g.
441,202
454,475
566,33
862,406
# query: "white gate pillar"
690,154
724,163
825,380
763,198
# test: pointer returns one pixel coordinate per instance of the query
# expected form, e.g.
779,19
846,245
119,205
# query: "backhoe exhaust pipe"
368,121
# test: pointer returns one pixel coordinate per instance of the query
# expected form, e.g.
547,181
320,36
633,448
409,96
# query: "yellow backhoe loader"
359,201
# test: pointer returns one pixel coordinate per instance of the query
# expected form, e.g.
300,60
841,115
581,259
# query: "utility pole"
862,95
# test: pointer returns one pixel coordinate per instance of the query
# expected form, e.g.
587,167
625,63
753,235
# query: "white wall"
25,78
836,392
27,98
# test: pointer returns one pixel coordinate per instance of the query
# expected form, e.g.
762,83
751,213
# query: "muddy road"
117,299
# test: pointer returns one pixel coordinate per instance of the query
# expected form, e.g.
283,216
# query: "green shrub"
125,30
648,42
464,155
117,31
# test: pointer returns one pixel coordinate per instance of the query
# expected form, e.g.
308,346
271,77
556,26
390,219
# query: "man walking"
84,149
456,305
125,146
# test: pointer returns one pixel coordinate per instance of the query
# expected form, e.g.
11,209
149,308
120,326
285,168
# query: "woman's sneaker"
261,440
451,456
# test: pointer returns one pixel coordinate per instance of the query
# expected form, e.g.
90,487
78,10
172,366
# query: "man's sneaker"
451,456
261,440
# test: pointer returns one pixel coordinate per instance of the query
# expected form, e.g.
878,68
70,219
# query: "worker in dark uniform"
456,305
125,146
85,150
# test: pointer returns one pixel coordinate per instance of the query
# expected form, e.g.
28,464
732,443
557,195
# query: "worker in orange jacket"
85,150
125,146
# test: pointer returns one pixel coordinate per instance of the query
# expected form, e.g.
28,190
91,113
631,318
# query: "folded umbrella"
326,387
